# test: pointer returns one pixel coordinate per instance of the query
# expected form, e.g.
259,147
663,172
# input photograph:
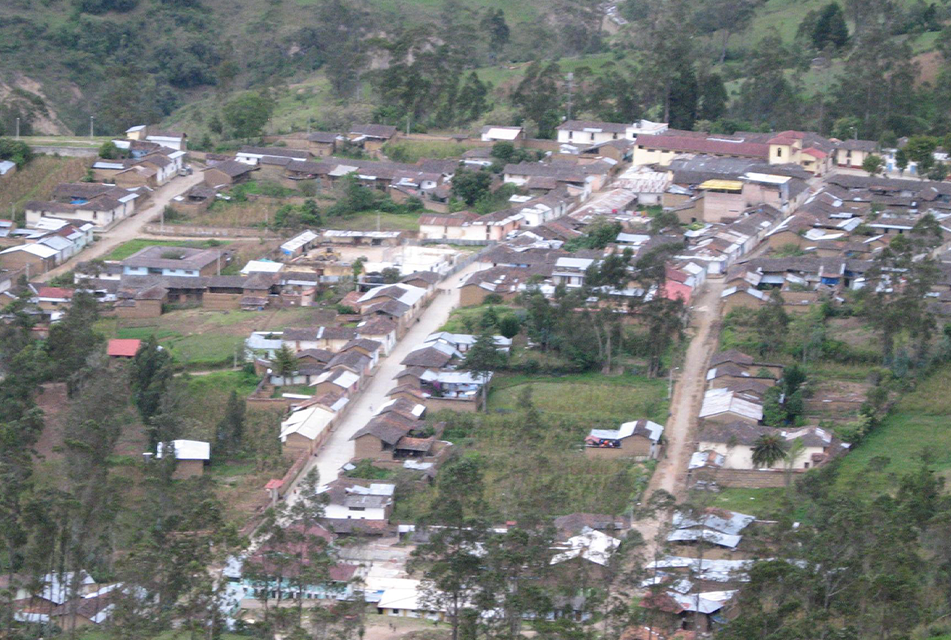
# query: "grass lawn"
206,339
920,424
412,151
126,249
591,396
762,503
367,221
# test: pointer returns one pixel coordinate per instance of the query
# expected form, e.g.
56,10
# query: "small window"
592,137
779,153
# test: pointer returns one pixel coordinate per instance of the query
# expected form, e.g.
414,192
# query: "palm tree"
769,449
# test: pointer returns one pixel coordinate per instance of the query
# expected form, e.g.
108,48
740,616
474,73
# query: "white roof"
39,250
765,178
187,450
56,242
454,377
720,520
137,127
717,401
756,293
709,602
574,263
591,545
309,423
410,295
5,166
56,587
405,597
713,537
632,238
261,266
626,430
345,379
50,224
703,458
417,410
465,338
503,133
299,240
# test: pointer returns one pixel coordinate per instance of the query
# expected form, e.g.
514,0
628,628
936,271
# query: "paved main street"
338,450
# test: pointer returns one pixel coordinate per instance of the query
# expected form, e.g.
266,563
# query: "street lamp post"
92,120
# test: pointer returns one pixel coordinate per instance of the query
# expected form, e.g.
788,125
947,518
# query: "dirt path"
680,431
131,227
338,450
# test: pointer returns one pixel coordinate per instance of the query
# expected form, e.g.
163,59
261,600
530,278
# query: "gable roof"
123,348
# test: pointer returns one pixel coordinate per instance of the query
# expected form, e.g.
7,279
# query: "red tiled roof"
274,484
123,348
54,292
815,153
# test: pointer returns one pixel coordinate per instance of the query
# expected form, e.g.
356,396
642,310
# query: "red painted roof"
119,348
274,484
55,292
815,153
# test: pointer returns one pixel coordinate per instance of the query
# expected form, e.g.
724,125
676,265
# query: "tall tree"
151,374
482,359
73,339
230,429
248,114
451,560
830,29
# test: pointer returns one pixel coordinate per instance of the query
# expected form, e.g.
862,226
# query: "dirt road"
338,450
680,431
131,227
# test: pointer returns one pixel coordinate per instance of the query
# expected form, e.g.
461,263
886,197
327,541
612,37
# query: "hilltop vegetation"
866,69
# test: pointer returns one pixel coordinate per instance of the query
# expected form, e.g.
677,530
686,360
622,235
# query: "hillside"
125,60
328,63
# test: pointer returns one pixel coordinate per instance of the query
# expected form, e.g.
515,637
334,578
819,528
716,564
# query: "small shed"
123,348
191,456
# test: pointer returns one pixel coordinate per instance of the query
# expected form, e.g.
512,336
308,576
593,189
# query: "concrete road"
338,450
131,227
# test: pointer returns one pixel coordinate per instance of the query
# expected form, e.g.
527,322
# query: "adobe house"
228,173
638,439
191,457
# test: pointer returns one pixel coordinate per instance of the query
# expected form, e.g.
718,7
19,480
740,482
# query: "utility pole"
378,220
92,120
18,128
570,77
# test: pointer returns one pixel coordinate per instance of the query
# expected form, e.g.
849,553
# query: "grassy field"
367,221
762,503
588,395
541,466
37,179
127,249
207,339
919,426
412,151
